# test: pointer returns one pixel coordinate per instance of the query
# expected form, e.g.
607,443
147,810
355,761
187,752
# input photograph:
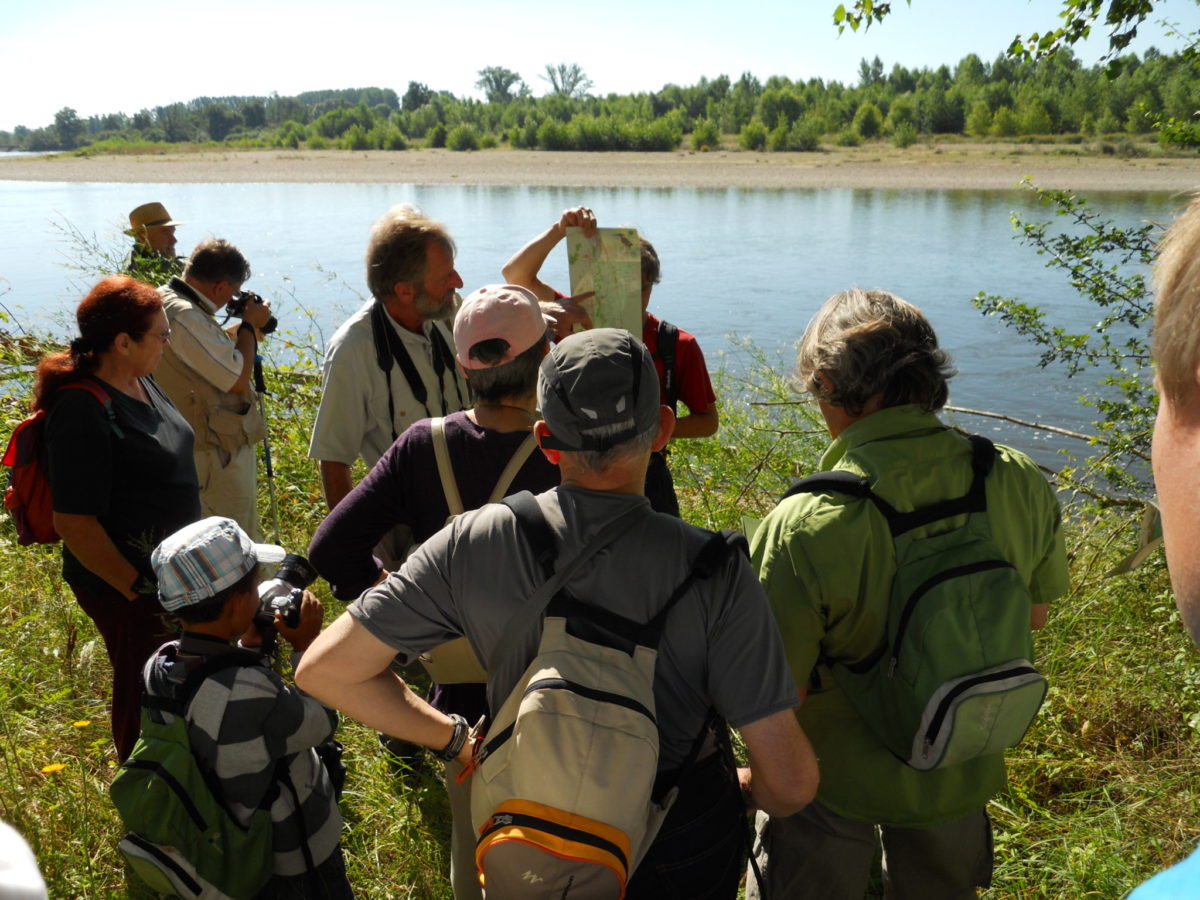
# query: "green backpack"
181,840
954,680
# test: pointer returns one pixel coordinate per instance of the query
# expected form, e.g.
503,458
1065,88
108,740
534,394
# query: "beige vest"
221,420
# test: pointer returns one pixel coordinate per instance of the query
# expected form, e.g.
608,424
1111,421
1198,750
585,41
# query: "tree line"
1006,98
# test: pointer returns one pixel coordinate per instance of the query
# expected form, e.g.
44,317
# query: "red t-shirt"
695,387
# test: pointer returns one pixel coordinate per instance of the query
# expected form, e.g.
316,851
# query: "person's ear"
666,428
540,430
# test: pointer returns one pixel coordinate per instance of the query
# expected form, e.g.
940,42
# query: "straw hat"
149,214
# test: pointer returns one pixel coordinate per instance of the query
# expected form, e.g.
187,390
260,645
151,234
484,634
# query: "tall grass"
1102,792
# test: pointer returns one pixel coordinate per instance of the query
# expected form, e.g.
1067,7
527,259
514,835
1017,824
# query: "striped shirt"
247,727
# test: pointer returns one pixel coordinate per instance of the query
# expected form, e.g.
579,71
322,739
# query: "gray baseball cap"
597,389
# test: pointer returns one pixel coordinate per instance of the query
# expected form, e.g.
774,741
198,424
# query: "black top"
141,487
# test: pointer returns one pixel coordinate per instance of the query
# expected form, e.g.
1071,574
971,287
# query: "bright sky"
121,56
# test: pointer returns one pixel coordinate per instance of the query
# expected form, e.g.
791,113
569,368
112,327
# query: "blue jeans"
699,853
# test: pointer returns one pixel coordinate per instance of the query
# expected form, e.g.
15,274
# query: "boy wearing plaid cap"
255,733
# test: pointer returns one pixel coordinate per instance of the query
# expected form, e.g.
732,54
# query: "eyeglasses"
163,336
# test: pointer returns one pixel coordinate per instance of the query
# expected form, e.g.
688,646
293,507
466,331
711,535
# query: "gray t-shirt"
720,648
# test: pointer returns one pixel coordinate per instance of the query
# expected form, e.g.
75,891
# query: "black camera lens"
296,571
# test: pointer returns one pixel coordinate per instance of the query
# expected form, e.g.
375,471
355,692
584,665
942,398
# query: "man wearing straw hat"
152,258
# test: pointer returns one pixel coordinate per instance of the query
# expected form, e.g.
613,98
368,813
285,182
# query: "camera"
237,306
282,593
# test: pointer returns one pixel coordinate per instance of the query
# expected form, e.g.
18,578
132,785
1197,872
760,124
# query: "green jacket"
827,562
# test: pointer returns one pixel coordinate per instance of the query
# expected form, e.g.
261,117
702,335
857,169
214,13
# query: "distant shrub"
904,135
318,142
1035,120
598,133
290,134
804,135
436,136
706,135
553,135
848,137
393,139
777,140
753,136
1005,123
660,136
868,121
979,119
462,137
524,137
488,142
356,138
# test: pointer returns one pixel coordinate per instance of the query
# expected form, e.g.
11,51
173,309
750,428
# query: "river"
749,263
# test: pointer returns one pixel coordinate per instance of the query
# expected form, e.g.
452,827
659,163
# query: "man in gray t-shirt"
720,650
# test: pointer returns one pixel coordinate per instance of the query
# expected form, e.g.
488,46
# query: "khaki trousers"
229,487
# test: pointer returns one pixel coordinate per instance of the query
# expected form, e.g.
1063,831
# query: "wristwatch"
457,739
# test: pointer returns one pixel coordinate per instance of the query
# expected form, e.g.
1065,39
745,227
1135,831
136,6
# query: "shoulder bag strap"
519,456
390,348
445,468
668,339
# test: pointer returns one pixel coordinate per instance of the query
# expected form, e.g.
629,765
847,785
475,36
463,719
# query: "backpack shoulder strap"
536,530
441,450
515,463
983,459
718,548
178,704
668,340
102,397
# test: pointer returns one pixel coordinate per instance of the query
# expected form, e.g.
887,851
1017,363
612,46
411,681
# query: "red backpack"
28,494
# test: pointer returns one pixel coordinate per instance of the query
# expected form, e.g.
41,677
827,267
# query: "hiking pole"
260,386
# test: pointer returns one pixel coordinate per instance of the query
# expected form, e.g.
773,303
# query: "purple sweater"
404,488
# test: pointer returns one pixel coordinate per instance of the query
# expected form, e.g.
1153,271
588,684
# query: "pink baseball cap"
505,311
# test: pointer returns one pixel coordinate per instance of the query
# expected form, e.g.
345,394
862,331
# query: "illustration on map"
609,264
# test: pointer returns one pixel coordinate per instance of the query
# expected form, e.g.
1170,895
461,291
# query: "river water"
746,263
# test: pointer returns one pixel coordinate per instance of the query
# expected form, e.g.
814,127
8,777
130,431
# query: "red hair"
116,305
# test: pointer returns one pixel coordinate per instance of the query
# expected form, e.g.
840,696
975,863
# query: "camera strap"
390,349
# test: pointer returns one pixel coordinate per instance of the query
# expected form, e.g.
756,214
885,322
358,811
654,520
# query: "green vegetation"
1008,97
1107,266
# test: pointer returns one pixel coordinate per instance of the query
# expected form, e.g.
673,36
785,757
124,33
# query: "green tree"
979,120
567,79
497,83
416,96
1035,120
69,127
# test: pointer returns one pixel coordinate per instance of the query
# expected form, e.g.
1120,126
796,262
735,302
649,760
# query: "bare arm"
335,481
86,538
697,425
782,777
526,263
347,668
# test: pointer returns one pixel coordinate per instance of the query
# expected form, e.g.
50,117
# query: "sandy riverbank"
956,166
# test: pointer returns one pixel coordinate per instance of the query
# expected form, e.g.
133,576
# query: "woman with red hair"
121,475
